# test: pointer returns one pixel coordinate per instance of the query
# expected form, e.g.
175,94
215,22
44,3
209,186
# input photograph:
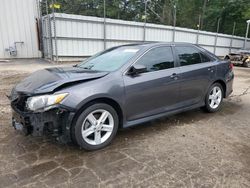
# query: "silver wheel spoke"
91,118
210,97
107,128
217,102
214,91
97,137
212,103
103,117
87,132
218,94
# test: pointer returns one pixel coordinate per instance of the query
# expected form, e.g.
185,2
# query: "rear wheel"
96,126
214,98
246,63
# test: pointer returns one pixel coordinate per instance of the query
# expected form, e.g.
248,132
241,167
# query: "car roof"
150,44
147,45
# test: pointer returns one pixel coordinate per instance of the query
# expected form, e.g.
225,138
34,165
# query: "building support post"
54,29
145,20
104,25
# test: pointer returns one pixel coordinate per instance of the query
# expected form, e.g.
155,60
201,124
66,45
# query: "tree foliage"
204,14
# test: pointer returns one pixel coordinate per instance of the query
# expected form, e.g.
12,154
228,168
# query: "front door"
157,89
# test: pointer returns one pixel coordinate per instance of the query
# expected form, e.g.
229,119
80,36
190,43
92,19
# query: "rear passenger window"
159,58
189,55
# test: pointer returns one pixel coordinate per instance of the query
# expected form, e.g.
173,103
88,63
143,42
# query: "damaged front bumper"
55,122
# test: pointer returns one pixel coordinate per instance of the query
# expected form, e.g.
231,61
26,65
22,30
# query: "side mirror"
137,69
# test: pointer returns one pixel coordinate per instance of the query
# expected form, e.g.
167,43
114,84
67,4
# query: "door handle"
210,69
174,76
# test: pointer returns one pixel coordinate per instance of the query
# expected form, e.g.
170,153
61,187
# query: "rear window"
189,55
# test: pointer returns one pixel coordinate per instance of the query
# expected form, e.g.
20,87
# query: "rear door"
157,89
197,70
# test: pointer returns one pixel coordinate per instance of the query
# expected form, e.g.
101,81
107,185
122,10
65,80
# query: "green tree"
162,12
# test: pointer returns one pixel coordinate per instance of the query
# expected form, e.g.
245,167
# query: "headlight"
44,102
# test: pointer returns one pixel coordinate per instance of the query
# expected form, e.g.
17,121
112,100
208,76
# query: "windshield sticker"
131,50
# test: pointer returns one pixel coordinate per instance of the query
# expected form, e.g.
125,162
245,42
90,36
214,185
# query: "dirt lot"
192,149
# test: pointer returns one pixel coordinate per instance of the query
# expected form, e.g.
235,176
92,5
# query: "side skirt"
157,116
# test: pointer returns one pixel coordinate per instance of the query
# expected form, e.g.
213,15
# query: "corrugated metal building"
79,36
19,29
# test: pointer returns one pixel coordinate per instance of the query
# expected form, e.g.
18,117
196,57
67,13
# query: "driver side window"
156,59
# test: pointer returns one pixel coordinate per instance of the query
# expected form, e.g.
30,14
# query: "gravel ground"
191,149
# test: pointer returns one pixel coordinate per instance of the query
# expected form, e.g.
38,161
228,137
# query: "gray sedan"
118,88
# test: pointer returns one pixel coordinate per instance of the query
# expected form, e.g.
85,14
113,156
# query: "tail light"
231,66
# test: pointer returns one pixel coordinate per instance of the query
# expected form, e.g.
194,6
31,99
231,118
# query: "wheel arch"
224,86
105,100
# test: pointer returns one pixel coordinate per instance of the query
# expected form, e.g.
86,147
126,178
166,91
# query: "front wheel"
96,126
214,98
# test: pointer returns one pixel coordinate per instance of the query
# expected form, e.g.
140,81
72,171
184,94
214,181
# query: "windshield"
110,60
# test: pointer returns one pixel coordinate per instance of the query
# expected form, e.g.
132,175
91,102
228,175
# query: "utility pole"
231,41
174,22
47,7
198,32
216,37
203,12
245,42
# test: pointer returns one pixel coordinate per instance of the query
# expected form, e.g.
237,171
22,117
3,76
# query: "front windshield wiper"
88,67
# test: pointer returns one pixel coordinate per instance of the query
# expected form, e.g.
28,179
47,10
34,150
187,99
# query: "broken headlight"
44,102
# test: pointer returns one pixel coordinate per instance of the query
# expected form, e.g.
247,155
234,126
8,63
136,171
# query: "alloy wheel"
215,97
97,127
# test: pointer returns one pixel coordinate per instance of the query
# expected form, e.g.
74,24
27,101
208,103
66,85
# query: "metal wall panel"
222,41
206,39
79,36
123,32
18,24
159,34
238,43
183,36
222,51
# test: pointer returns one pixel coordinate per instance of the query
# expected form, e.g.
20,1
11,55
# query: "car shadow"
228,108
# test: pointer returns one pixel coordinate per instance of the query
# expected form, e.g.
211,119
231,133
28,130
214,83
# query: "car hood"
50,79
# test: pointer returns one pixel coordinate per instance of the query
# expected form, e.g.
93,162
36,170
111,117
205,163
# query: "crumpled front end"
54,122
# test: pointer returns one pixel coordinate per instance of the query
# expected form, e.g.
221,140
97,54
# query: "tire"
227,58
96,126
213,100
246,64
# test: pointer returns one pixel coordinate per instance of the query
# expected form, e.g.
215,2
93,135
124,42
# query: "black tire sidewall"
78,126
207,106
246,64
